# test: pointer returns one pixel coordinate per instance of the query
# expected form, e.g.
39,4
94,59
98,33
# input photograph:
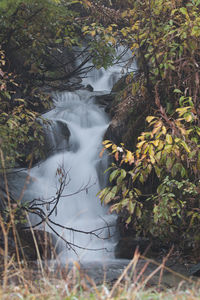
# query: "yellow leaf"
182,110
124,32
164,130
105,142
134,46
168,149
85,28
169,139
156,129
112,40
136,25
108,146
155,143
152,159
151,150
158,156
124,14
150,118
93,32
129,157
188,117
185,146
183,131
142,137
140,144
114,147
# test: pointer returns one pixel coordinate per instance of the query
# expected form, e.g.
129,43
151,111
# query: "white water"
82,211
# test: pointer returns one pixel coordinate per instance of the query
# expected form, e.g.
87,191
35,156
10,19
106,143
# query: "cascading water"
82,210
79,207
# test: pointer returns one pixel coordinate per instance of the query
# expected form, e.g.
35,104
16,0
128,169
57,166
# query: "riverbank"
73,283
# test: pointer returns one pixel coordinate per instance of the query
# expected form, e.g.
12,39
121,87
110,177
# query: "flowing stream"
79,207
74,137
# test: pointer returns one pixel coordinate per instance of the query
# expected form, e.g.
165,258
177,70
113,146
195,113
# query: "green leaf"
185,146
158,171
169,163
108,198
121,177
113,175
183,10
128,220
138,212
131,207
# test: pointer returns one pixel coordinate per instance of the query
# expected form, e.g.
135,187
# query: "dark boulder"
126,247
56,138
46,243
31,243
195,270
105,100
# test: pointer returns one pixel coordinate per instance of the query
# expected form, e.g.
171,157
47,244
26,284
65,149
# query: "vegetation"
155,184
71,283
155,176
32,33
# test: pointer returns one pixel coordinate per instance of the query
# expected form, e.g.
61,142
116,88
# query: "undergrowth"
46,279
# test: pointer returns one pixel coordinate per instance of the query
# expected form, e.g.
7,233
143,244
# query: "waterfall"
78,156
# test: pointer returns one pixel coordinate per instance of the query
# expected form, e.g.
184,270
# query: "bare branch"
35,207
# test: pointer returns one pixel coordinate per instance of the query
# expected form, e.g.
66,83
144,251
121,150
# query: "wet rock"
56,138
89,88
60,85
60,57
126,247
141,269
105,101
195,270
116,131
119,85
17,181
46,244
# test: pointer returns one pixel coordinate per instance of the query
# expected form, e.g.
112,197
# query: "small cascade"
78,156
82,210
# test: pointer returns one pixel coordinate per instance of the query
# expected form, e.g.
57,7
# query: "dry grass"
64,283
63,289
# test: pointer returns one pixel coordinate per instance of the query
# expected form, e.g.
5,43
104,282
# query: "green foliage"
169,150
34,28
170,206
101,48
18,125
30,33
164,38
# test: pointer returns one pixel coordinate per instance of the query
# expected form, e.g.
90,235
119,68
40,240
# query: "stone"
119,85
89,88
126,246
195,270
105,101
46,243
